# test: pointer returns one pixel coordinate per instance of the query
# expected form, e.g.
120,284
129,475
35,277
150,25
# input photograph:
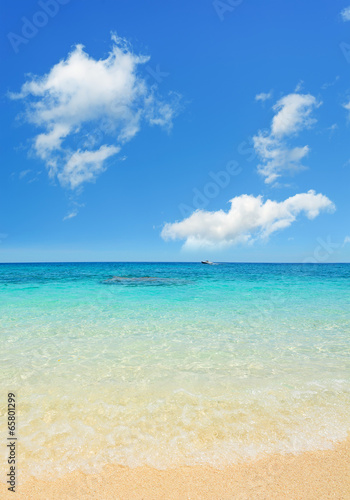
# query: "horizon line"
169,262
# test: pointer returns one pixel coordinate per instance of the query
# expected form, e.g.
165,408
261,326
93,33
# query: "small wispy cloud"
292,114
326,85
74,210
332,129
347,106
23,173
346,240
70,215
85,166
345,14
299,86
263,96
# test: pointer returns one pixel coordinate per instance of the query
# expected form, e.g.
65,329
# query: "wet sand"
315,475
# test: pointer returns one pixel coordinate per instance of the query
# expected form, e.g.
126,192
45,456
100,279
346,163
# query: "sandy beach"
315,475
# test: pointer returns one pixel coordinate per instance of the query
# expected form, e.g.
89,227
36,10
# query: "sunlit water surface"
198,365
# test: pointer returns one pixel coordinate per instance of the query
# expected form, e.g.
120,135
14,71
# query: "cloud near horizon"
248,219
82,103
292,114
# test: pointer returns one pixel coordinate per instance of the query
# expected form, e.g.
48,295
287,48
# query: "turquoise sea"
198,365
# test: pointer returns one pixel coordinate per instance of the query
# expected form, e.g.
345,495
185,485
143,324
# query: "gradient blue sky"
213,59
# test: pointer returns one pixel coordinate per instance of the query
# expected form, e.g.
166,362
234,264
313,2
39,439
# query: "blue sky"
128,127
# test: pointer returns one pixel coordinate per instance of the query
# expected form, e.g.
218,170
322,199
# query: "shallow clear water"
201,364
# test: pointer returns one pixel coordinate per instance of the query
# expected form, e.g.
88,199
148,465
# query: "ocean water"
198,365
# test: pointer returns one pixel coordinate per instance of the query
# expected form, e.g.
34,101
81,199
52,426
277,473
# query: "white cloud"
345,14
299,86
71,215
277,157
84,166
264,96
347,106
74,210
248,219
333,127
346,240
292,114
81,92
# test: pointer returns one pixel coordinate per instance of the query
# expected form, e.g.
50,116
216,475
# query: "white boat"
207,262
